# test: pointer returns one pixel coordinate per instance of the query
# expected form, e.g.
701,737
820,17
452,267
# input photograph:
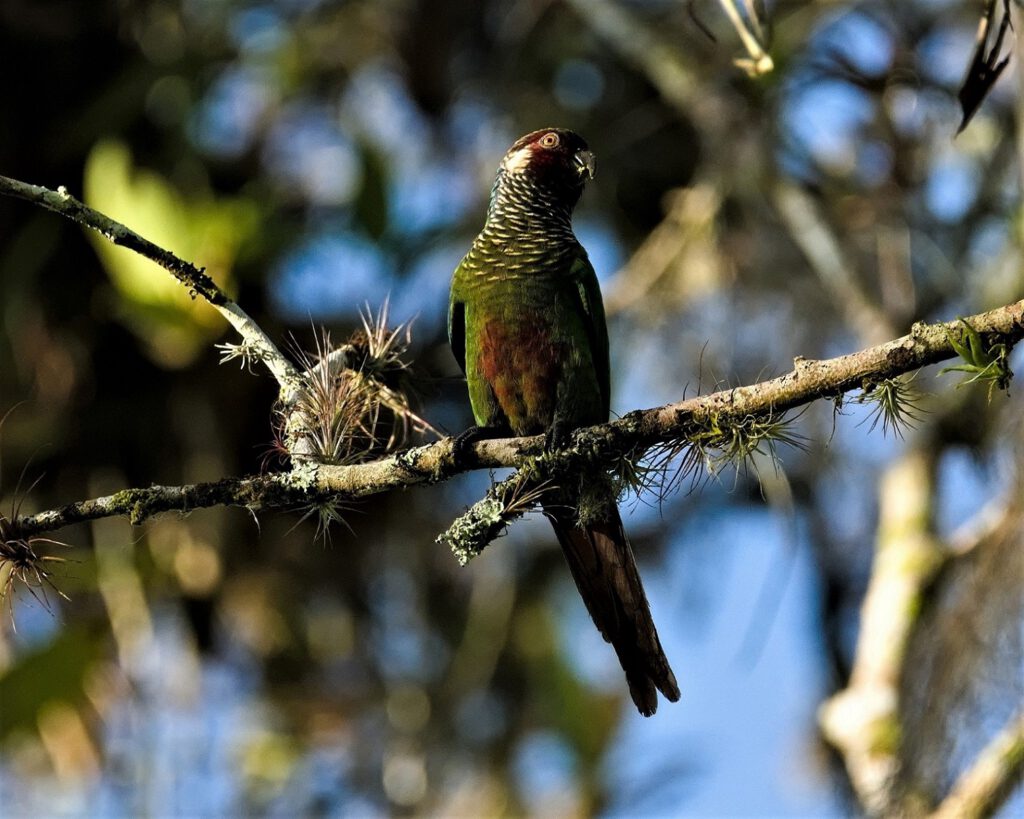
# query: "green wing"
457,319
589,291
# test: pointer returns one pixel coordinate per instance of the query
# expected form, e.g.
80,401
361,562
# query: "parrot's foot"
464,440
558,436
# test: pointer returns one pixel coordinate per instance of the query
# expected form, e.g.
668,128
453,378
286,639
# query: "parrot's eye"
549,140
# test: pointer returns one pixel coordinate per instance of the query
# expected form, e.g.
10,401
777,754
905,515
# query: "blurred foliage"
53,673
316,155
174,325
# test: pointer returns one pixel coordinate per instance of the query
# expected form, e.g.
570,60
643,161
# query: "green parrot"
527,326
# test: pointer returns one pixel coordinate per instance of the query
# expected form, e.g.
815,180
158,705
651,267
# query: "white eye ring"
549,140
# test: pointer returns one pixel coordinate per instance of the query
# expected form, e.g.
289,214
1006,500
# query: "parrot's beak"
586,163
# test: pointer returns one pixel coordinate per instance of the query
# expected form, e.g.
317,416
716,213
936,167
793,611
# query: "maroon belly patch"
522,362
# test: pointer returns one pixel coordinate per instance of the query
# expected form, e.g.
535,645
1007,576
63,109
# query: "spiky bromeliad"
527,325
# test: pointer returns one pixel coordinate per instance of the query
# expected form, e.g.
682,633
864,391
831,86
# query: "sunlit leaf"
202,230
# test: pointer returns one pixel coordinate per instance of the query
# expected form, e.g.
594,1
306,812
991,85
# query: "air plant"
987,363
354,400
895,403
21,565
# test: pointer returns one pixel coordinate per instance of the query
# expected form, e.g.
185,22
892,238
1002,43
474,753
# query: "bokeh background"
318,157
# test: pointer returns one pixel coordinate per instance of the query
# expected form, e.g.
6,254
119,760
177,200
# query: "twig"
679,258
987,784
748,28
644,48
826,257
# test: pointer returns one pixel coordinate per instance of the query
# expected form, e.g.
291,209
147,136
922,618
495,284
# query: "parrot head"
554,158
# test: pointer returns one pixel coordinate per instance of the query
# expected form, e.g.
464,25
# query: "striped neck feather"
519,206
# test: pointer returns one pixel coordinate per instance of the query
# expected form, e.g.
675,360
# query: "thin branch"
821,248
748,26
645,48
634,433
679,260
990,781
258,344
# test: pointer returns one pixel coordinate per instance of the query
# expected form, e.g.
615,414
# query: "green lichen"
123,500
1014,756
923,560
596,494
885,736
302,476
409,460
471,532
487,518
914,604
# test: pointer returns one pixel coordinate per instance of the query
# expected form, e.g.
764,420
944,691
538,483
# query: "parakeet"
526,323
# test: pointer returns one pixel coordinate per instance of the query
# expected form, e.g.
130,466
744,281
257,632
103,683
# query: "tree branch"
632,435
863,720
875,721
258,344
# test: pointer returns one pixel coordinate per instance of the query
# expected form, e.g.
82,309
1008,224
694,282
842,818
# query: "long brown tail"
602,564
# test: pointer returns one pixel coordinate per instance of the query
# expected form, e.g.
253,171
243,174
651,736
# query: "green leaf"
205,231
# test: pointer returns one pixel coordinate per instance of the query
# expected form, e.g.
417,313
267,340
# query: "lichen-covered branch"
262,491
487,519
810,380
258,344
630,435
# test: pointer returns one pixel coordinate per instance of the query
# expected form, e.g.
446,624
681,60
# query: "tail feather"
602,564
